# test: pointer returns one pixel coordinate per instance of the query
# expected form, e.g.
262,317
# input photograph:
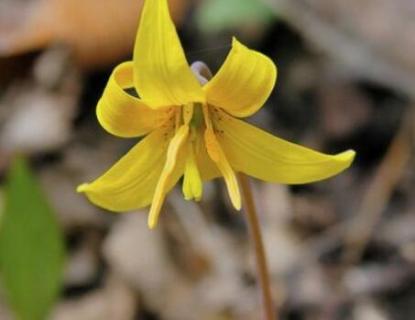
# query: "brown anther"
201,71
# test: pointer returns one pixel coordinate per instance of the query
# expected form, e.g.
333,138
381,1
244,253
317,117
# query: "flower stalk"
260,256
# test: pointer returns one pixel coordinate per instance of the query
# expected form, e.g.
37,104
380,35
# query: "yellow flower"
193,130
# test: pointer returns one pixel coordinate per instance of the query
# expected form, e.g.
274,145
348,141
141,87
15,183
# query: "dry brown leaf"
98,32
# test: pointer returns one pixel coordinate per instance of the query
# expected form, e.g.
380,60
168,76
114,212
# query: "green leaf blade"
31,247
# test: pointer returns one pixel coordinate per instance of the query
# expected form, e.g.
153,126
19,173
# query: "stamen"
206,116
218,156
192,182
162,185
187,113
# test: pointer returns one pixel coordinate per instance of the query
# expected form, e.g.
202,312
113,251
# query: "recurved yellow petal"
162,75
131,182
122,114
266,157
243,83
172,170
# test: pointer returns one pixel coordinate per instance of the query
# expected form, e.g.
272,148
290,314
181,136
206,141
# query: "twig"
379,192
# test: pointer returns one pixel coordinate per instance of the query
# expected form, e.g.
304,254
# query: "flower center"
203,75
197,119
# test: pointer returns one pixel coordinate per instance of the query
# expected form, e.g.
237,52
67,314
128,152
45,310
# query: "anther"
201,71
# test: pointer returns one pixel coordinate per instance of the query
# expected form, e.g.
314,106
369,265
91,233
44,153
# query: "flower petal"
122,114
266,157
243,83
162,75
131,182
174,163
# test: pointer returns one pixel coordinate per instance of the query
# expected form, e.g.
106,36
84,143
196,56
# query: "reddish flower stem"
260,257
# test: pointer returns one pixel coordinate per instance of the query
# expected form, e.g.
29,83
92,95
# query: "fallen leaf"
98,32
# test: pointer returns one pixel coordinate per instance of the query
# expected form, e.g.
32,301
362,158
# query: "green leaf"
31,246
218,15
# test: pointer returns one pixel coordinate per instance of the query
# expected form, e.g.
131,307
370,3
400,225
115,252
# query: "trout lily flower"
191,128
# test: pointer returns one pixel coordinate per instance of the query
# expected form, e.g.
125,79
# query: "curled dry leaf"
98,32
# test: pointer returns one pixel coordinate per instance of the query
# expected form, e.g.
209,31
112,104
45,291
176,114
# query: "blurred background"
338,249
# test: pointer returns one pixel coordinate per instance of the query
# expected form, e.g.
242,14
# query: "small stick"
256,238
379,192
